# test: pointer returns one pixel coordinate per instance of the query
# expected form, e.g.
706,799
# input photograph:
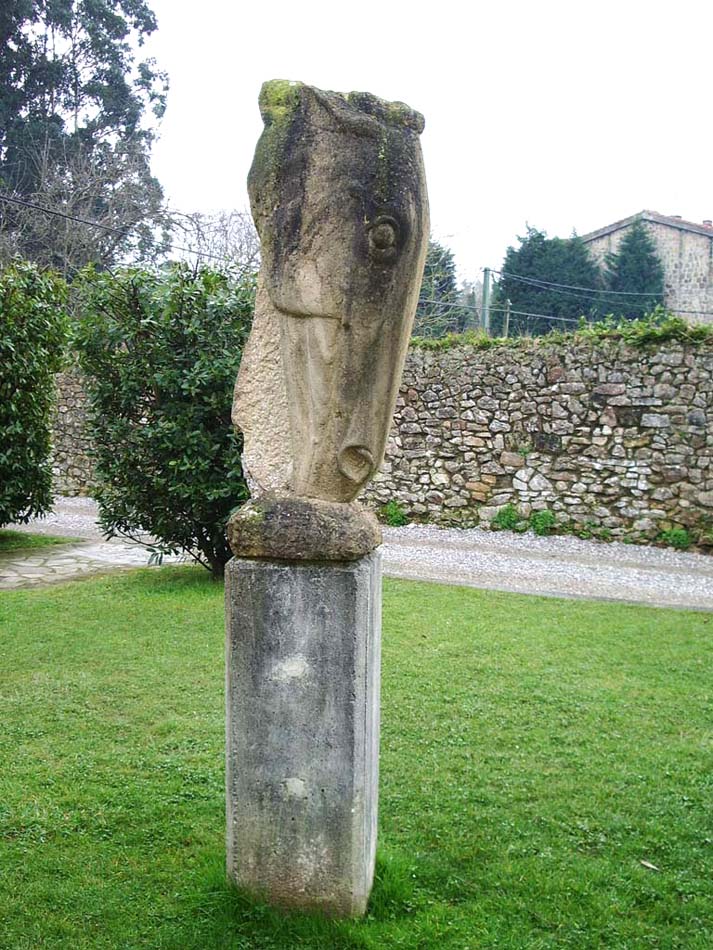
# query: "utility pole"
506,328
486,301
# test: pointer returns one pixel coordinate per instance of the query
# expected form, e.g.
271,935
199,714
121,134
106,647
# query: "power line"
61,214
560,288
448,303
545,285
543,316
524,313
179,247
549,283
104,227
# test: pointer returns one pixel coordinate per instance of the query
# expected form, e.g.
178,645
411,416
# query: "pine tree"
527,280
634,270
439,307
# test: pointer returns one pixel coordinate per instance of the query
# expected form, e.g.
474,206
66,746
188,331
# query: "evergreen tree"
527,277
74,136
439,307
635,269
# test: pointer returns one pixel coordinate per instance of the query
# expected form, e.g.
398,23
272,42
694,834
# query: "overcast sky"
563,115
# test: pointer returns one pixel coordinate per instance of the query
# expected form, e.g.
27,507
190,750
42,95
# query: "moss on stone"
400,114
279,98
397,114
652,330
280,102
249,513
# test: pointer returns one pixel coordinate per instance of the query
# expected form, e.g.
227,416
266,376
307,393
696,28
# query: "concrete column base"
302,695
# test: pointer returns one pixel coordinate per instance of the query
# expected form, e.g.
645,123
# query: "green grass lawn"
12,542
534,753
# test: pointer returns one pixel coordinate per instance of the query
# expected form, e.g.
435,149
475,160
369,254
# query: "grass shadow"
22,542
223,916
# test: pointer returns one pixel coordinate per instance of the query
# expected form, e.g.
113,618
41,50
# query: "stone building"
686,253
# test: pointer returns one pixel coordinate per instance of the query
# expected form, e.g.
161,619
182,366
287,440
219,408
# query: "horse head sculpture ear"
338,194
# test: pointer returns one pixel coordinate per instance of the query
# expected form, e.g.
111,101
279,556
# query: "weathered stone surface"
546,442
338,193
302,529
269,470
538,483
653,420
71,449
302,725
604,464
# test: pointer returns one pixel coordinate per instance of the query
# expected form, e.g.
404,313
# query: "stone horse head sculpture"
338,194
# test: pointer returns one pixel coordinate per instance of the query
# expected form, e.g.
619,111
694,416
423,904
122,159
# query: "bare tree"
224,239
471,298
98,205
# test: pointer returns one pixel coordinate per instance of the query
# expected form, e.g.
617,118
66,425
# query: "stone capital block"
302,529
302,703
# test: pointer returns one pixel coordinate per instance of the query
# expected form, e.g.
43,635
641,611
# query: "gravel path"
70,518
557,567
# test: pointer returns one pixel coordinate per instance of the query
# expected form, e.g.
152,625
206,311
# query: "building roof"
654,217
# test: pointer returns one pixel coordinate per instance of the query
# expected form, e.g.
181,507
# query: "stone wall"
606,436
71,468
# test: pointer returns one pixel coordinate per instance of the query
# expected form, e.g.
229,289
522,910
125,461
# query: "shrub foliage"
653,329
33,331
161,350
393,514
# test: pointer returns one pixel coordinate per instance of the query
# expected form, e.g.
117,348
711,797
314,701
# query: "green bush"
506,519
33,331
393,514
542,522
677,538
161,350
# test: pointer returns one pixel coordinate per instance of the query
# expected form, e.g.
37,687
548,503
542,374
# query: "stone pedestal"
302,697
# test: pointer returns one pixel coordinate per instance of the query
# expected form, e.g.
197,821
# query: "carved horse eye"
383,238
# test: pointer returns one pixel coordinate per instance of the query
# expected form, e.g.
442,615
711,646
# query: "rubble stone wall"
71,467
604,435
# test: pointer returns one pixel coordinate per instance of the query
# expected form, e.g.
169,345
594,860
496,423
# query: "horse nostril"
355,462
